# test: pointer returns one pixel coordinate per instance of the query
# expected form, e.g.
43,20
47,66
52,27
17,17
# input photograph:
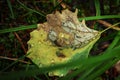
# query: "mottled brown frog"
64,29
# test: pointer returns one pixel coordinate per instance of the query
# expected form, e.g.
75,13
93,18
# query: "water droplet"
32,45
39,42
40,65
52,60
62,75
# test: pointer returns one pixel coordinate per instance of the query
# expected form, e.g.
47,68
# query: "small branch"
14,59
106,24
22,45
63,4
20,40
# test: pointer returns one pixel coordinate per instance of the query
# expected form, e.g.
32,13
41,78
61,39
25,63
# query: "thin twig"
63,4
22,45
106,24
20,40
14,59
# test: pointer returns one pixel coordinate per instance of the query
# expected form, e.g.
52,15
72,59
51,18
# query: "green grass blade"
100,17
18,28
115,41
101,70
35,25
31,10
37,78
87,63
89,71
11,10
97,7
93,62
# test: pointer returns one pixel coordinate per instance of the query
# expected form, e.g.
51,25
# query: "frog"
67,24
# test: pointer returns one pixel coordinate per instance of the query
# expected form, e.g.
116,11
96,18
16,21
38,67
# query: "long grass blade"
115,41
18,28
31,10
100,17
11,10
97,7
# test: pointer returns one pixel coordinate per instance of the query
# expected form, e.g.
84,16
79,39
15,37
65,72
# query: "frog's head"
68,21
64,16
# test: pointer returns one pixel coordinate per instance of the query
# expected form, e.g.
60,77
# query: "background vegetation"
19,17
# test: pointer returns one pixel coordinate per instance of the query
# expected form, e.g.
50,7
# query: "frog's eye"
65,24
65,27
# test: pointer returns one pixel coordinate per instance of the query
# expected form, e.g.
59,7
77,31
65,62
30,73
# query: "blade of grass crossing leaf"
86,65
95,67
18,28
101,70
91,63
91,75
106,66
83,71
97,7
11,10
72,75
14,75
96,73
89,70
34,26
28,73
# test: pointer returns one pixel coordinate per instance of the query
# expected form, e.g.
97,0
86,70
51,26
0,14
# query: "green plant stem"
11,10
110,27
115,41
97,7
100,17
18,28
87,63
31,10
101,70
37,78
89,71
35,25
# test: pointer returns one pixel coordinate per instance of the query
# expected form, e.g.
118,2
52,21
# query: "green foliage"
86,66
